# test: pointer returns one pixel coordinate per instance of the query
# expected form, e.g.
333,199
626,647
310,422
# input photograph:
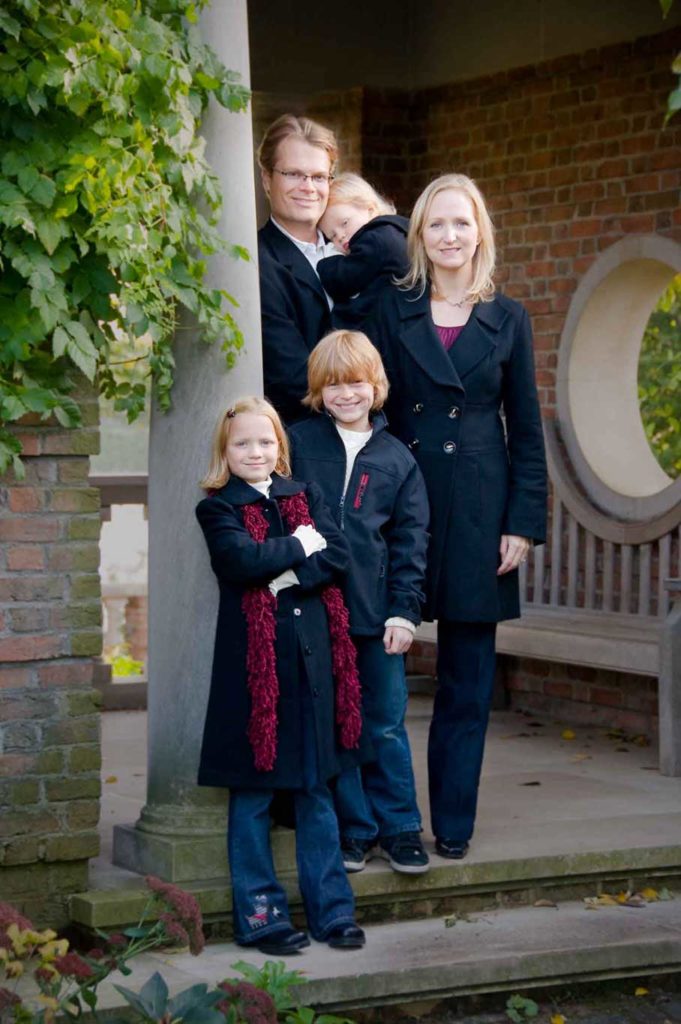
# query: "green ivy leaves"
108,207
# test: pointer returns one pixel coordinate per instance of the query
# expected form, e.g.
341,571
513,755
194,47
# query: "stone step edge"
507,973
121,906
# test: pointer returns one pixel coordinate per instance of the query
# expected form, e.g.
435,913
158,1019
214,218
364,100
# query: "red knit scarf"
258,605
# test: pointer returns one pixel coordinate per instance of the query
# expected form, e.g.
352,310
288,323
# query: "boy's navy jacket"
303,647
295,316
384,517
378,252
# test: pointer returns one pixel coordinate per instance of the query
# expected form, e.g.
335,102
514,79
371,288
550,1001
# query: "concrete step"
481,882
419,963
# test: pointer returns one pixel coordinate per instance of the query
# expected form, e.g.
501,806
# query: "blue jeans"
380,800
259,904
466,664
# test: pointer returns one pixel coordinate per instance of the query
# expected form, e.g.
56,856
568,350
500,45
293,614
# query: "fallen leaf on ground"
580,757
641,991
533,783
568,734
665,894
111,778
635,901
604,900
622,750
622,897
558,1018
649,894
537,725
545,903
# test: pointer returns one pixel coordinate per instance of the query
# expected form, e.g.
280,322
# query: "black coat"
384,517
378,252
302,634
295,316
483,481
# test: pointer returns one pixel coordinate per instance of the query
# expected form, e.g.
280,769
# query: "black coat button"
413,445
418,407
454,412
308,649
315,692
449,447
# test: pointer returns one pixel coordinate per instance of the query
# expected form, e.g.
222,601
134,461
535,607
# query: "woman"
459,360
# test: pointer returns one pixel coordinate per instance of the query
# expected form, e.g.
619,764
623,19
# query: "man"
296,158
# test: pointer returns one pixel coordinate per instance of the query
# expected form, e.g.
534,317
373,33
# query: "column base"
188,858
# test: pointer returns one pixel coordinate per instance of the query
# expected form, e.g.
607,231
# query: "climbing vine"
108,207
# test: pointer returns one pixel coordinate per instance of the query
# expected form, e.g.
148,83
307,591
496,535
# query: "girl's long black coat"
302,635
482,481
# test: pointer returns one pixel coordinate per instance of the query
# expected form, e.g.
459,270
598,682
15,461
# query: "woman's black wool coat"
302,637
486,476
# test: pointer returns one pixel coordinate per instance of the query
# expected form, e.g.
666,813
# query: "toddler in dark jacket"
373,241
373,486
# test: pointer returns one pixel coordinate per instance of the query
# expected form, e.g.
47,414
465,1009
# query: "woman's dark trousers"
465,681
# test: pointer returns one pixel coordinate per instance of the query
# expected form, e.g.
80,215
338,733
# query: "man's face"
298,202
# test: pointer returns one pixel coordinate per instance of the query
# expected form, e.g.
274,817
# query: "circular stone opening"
597,386
659,380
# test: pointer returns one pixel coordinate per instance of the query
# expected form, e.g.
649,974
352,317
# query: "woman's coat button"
449,447
297,611
454,412
418,407
413,445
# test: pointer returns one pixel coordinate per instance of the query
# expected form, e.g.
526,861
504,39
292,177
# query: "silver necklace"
441,297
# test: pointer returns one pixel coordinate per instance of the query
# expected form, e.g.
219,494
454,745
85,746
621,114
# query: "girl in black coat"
464,400
373,241
270,724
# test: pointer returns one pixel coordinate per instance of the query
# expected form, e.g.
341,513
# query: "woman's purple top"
448,335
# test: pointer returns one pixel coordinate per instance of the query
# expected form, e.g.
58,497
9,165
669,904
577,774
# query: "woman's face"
450,231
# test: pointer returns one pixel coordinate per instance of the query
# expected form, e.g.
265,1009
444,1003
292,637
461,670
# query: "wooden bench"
637,644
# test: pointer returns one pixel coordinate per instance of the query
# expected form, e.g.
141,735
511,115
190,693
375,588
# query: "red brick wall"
571,155
50,633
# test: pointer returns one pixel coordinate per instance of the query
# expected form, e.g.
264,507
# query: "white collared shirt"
312,251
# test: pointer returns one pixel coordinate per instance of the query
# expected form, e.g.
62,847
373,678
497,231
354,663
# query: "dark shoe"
406,853
283,942
346,936
452,849
354,853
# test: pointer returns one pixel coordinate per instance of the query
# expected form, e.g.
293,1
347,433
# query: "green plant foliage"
659,380
519,1009
108,207
674,98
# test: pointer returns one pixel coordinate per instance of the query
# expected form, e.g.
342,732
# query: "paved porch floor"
541,793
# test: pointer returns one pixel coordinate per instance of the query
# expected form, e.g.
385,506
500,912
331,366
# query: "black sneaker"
354,852
406,853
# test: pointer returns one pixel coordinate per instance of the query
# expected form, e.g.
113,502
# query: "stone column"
181,832
669,686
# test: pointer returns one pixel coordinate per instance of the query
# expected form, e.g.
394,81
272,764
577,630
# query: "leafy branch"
108,207
674,99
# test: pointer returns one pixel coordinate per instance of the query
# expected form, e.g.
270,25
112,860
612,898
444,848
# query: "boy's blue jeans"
380,800
260,907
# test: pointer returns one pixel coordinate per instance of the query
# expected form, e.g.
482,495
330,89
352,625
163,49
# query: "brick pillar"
50,633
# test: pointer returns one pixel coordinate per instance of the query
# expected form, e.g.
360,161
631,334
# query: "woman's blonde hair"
420,270
288,126
340,357
351,188
218,471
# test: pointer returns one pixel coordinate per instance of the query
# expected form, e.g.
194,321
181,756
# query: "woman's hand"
513,551
397,639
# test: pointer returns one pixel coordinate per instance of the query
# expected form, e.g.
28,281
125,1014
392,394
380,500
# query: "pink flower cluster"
252,1005
182,919
10,915
72,965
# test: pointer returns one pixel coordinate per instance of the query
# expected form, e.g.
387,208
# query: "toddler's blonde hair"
351,188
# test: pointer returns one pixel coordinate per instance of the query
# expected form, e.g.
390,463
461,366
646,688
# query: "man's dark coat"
295,316
447,408
302,635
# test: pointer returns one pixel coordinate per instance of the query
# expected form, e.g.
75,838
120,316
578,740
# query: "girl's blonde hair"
420,270
350,188
218,471
340,357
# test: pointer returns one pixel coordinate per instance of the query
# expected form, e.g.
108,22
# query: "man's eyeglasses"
298,178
